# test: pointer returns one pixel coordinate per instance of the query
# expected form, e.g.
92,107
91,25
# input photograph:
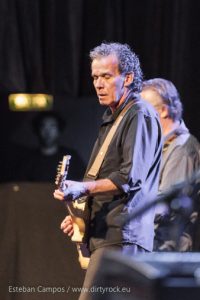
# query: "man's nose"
99,82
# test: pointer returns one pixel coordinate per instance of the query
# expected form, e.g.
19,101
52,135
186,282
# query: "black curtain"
27,45
45,43
44,47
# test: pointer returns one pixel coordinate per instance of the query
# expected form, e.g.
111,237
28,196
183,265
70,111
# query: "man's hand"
58,195
71,191
67,226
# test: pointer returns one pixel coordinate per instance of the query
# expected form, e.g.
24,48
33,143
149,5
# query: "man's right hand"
67,226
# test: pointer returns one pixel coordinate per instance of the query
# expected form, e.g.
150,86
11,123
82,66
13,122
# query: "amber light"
28,102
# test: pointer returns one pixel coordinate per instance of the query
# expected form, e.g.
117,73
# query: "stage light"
30,102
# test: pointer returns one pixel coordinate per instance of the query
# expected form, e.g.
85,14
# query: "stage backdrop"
34,254
44,47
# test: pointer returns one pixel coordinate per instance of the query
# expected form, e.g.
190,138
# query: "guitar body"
79,212
80,217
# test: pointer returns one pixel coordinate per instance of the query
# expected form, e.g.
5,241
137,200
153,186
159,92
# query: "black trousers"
95,259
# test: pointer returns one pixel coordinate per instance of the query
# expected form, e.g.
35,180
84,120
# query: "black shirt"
131,163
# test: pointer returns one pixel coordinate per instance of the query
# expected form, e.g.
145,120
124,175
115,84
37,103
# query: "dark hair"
47,114
127,60
169,94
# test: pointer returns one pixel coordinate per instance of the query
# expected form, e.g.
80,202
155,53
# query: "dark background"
33,250
44,46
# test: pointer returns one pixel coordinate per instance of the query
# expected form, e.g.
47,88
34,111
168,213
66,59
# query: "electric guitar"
78,210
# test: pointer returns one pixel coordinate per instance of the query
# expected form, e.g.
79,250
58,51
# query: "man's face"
108,82
48,131
156,101
153,98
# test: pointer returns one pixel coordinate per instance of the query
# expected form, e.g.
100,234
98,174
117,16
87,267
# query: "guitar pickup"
82,199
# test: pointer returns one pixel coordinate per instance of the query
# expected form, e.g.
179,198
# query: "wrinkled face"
108,82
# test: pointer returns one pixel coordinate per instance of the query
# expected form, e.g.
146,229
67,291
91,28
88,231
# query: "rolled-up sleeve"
138,144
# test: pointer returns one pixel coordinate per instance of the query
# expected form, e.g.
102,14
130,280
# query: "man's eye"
107,76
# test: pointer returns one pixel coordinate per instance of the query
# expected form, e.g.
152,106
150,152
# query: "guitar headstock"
62,171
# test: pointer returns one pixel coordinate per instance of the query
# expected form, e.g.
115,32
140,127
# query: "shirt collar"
109,117
177,131
181,129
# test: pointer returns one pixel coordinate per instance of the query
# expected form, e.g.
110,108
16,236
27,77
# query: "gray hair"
128,61
169,94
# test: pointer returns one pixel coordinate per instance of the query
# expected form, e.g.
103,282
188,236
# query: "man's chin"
102,102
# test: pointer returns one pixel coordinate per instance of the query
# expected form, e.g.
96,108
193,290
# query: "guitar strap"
84,254
93,171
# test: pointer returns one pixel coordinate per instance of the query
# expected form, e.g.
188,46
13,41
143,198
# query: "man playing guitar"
129,172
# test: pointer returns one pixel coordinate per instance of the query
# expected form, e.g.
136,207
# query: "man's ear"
128,79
